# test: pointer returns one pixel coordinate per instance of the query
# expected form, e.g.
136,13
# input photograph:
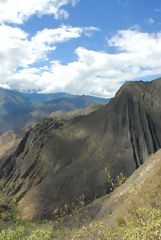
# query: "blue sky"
78,46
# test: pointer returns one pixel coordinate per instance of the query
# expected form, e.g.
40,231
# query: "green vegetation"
142,225
19,233
142,222
120,179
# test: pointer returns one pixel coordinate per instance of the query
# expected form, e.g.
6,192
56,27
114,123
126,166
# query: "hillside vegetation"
131,211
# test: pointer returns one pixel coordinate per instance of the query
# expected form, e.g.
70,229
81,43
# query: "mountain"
67,104
11,139
17,109
62,115
132,210
45,97
58,161
142,189
12,101
8,140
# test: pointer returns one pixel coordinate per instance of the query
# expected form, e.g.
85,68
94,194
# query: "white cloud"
137,54
53,36
99,73
150,20
18,11
89,30
18,51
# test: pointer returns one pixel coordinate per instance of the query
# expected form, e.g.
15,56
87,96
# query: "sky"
86,47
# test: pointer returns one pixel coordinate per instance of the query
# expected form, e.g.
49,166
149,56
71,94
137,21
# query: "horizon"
80,95
42,93
77,47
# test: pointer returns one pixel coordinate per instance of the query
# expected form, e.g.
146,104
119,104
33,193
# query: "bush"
144,224
12,234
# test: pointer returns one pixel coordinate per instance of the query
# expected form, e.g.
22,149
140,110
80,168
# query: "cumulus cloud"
137,55
18,51
18,11
62,34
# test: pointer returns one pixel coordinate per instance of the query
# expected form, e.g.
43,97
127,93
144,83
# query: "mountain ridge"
70,156
16,110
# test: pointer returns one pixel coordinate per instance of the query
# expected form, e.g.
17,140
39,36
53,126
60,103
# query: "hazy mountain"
57,161
44,97
17,109
11,101
67,104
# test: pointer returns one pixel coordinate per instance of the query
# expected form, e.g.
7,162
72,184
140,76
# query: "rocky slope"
63,115
57,161
10,139
7,141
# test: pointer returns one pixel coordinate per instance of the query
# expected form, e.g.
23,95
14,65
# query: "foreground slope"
131,211
141,190
57,161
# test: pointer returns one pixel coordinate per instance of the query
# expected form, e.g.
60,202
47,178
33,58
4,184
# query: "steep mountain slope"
62,115
11,138
7,141
57,161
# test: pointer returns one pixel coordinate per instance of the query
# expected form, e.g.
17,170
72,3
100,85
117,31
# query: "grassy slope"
131,211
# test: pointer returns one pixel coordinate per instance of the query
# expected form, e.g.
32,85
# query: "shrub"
143,225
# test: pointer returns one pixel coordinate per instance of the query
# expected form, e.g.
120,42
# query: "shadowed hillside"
57,161
10,139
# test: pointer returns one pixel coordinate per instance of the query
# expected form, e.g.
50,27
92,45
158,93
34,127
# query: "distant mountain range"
13,101
59,160
19,108
44,97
